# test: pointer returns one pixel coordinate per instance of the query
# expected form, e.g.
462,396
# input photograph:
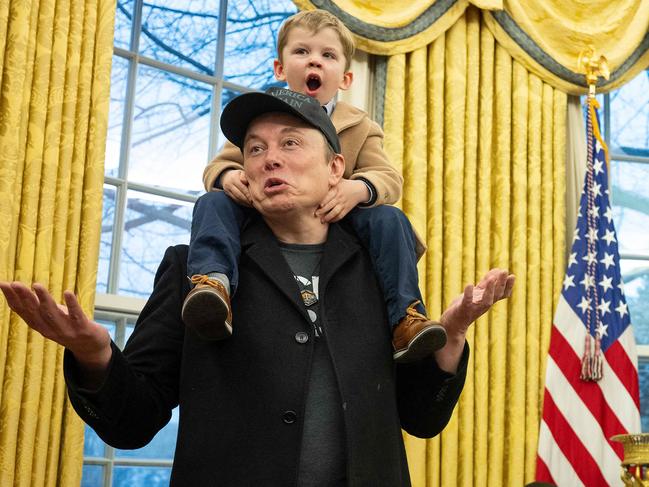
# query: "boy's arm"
373,166
230,157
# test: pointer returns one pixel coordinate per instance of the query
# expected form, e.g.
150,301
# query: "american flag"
591,384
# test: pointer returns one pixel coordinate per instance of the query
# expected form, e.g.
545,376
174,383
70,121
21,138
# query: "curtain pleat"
480,142
56,59
547,38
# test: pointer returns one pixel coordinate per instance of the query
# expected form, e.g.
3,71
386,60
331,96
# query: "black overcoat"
242,399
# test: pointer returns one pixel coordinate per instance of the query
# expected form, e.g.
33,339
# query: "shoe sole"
207,315
422,345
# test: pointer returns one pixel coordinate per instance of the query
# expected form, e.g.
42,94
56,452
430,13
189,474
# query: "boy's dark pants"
384,230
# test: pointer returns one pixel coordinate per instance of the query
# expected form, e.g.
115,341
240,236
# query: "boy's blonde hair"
314,21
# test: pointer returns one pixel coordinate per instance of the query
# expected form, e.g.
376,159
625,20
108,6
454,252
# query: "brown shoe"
416,337
207,309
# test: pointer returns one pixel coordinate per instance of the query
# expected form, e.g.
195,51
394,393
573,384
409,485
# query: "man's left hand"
341,199
476,300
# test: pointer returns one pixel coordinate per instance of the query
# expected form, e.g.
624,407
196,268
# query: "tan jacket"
361,140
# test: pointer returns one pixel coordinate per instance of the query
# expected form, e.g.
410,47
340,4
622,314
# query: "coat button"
301,337
289,417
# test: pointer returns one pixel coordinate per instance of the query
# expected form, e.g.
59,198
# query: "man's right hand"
68,325
235,185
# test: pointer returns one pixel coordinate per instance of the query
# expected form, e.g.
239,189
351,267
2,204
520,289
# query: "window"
176,63
626,130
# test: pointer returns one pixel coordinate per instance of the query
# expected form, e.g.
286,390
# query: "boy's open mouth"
313,82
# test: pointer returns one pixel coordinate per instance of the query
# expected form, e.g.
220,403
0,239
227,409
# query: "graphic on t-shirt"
309,293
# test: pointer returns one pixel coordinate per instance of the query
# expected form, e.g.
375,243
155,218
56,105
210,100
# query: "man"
305,391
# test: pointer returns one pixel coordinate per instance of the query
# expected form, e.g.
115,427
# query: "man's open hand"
66,325
476,300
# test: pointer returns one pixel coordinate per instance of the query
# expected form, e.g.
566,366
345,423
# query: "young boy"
314,55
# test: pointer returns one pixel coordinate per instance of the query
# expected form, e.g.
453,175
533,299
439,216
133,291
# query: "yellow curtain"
481,144
55,60
545,37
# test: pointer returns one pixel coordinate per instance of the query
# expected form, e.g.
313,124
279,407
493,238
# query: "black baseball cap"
243,109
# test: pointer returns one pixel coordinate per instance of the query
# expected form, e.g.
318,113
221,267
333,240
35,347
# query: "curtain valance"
546,37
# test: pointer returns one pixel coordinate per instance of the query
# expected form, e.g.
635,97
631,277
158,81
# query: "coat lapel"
340,247
259,243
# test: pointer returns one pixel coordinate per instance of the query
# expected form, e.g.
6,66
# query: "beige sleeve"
230,157
372,164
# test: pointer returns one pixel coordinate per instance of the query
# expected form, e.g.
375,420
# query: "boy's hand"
67,325
341,199
235,185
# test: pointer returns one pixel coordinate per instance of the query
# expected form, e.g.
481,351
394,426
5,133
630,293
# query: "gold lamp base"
635,466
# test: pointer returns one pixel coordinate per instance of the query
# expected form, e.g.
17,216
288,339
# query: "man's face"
286,166
313,63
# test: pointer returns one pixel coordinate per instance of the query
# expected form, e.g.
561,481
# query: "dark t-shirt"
323,457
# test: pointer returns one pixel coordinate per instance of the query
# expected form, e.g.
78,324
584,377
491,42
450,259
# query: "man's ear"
346,82
336,168
278,69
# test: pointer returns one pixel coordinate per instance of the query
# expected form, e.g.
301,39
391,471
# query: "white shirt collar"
329,107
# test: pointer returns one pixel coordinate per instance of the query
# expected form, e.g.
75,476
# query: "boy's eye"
254,149
330,55
300,50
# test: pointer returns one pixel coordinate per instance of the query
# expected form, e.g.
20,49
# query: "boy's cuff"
217,181
372,191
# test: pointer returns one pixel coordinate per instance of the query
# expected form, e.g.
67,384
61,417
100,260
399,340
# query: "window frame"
641,350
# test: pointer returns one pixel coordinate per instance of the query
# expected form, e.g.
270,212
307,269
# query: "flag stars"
601,330
608,260
597,189
606,283
592,235
587,281
575,236
598,166
604,306
572,259
594,211
584,304
609,214
621,309
590,257
568,282
609,236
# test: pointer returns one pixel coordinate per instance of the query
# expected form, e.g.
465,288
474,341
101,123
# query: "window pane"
152,224
630,201
251,40
123,23
92,476
118,79
161,447
643,372
170,135
141,477
630,117
635,274
109,325
106,241
181,33
92,445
